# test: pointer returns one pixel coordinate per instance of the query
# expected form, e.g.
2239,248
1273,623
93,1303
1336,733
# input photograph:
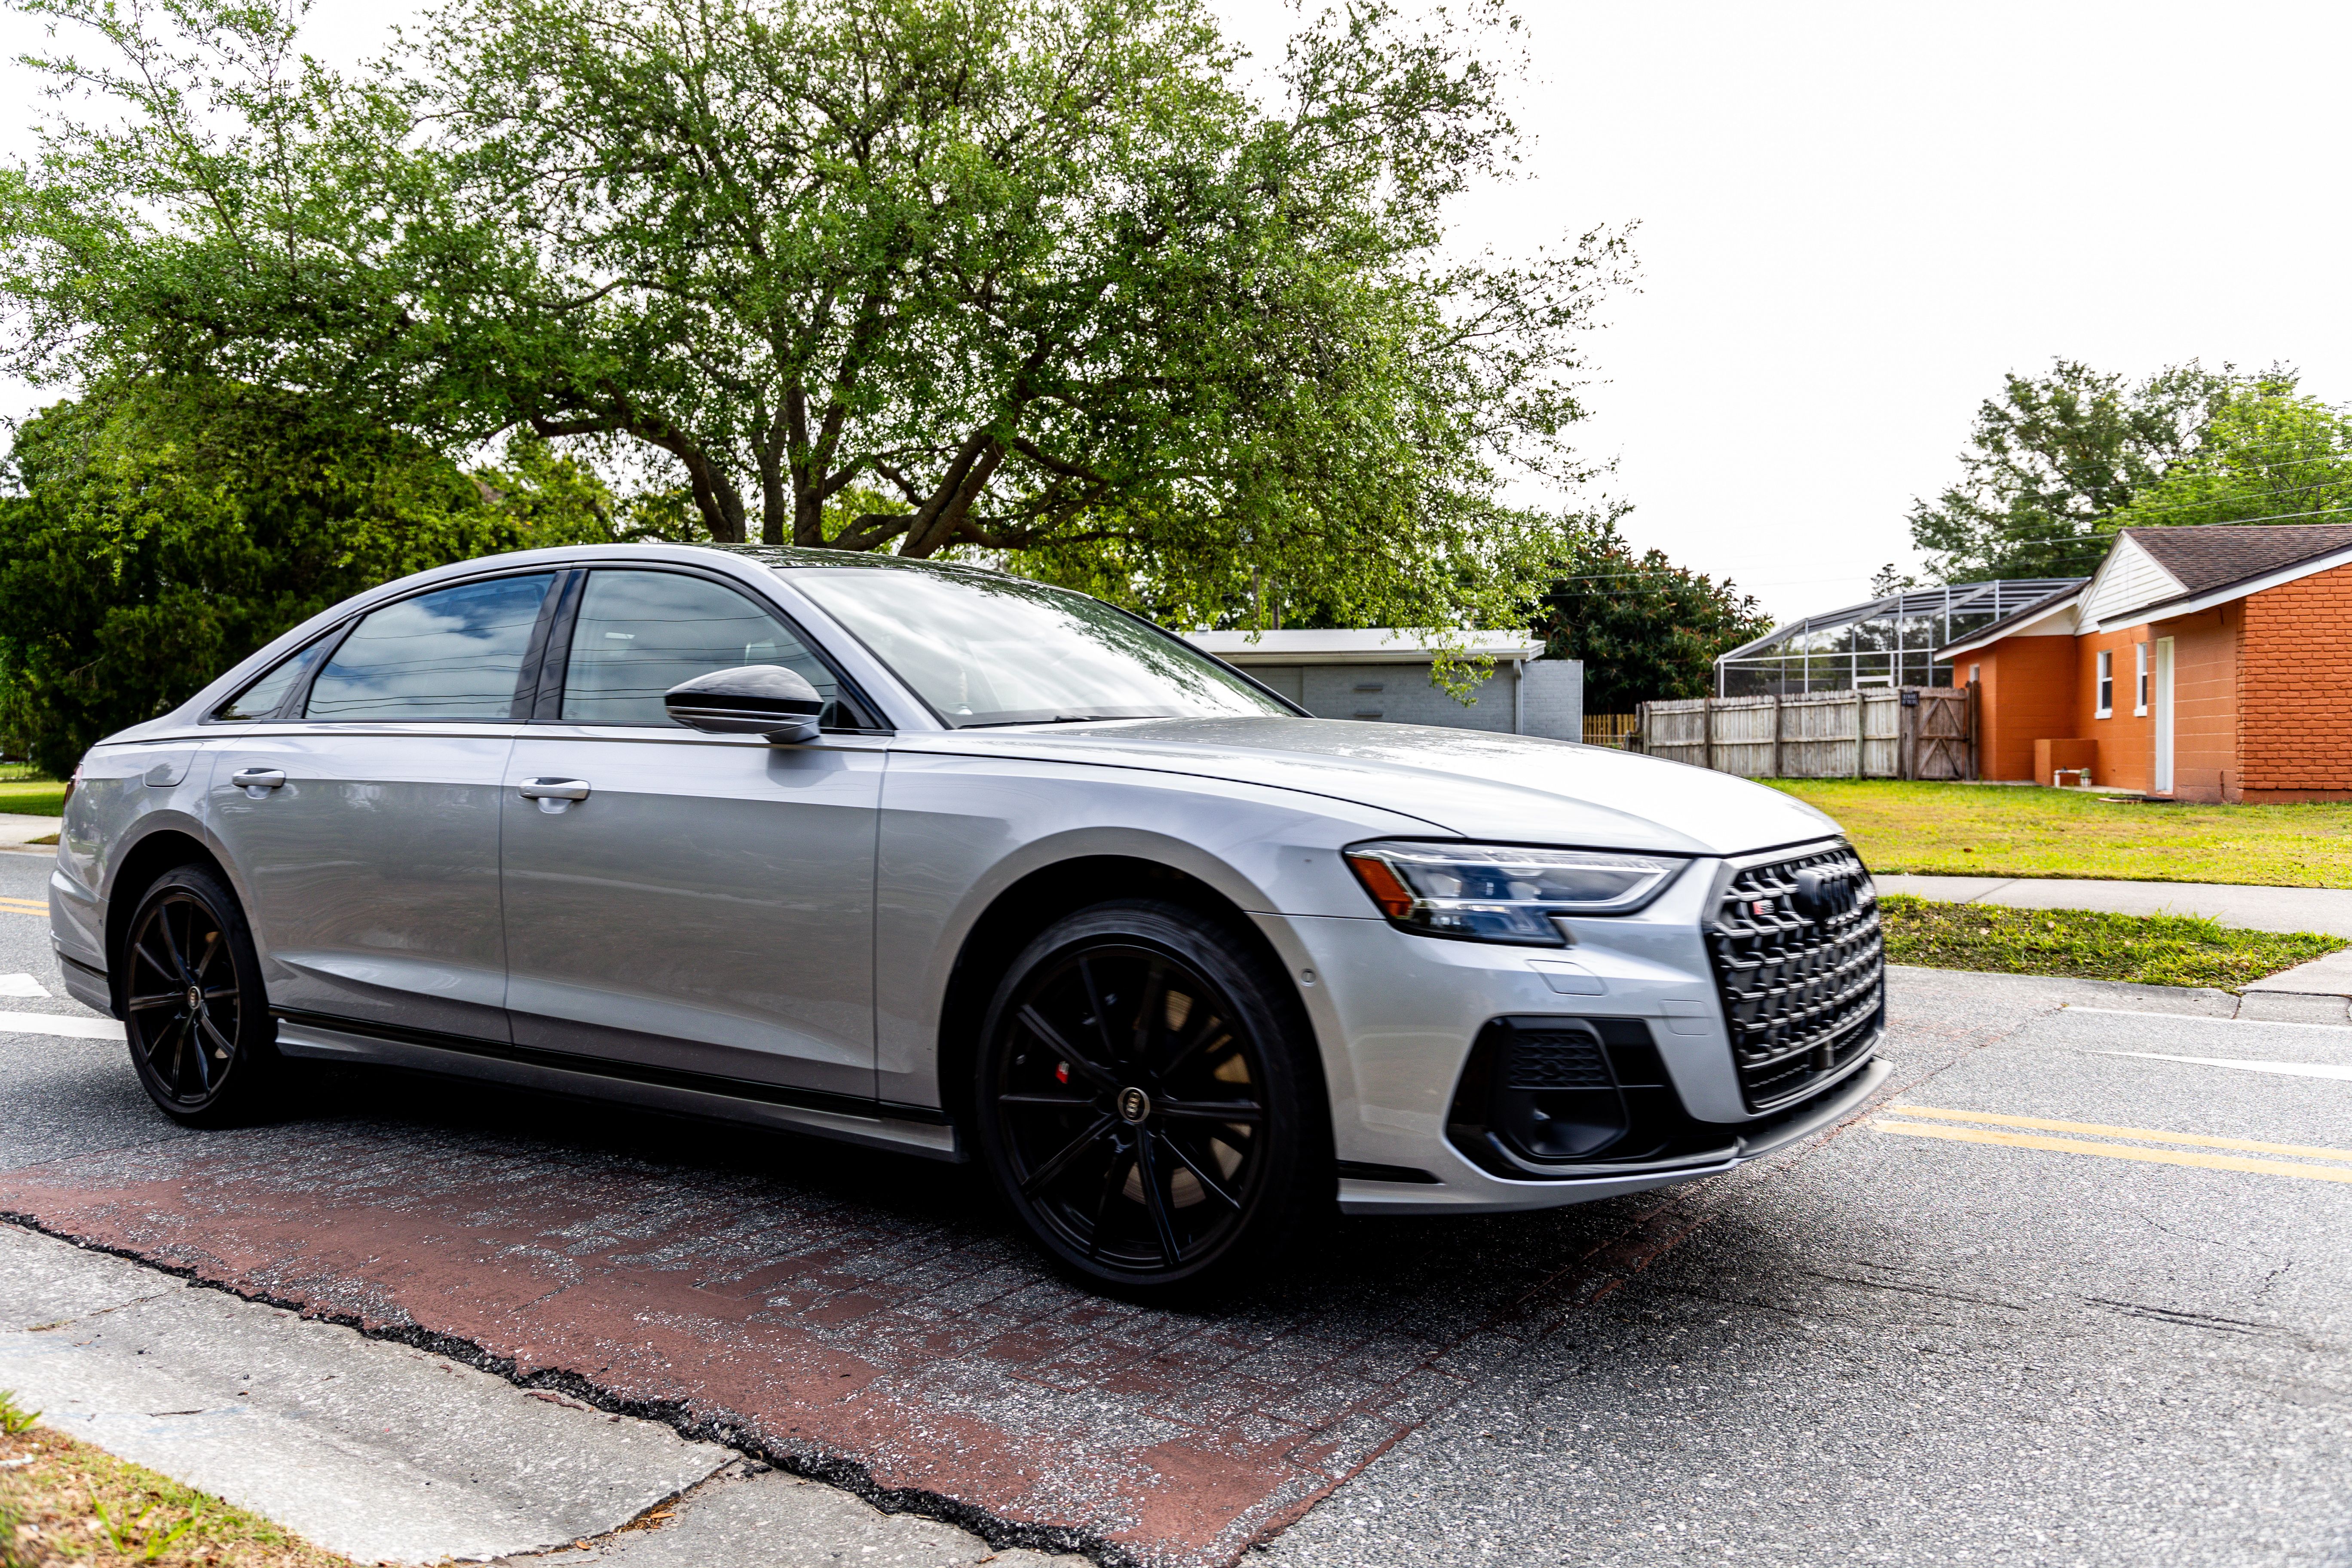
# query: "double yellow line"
2334,1164
24,907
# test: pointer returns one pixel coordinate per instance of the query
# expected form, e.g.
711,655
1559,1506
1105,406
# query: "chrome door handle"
553,789
257,778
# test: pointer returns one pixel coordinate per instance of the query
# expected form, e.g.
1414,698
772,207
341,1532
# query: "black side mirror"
749,700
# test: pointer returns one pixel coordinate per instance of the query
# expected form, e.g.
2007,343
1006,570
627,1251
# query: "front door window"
641,633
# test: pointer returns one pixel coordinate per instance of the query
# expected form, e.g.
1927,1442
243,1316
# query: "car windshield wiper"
1064,719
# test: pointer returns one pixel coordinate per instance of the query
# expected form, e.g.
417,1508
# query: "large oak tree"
1029,278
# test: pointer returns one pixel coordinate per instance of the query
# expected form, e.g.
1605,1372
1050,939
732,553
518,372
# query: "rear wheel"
1147,1102
193,1006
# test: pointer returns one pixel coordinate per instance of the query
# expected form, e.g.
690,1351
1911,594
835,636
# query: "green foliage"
2147,949
1647,630
131,1536
2270,454
1031,279
14,1417
2052,460
165,531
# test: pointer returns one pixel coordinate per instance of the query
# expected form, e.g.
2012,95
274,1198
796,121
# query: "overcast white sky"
1853,218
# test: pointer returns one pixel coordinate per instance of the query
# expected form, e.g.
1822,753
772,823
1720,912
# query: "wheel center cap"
1134,1105
195,1000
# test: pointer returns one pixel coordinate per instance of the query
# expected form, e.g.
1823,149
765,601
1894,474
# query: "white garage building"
1385,674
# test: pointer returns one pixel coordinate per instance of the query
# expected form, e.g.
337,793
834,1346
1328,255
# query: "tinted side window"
641,633
260,699
455,653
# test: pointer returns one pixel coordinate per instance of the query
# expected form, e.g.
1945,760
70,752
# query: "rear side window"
640,633
456,653
263,698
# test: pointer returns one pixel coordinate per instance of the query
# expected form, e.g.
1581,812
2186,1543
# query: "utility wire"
2093,549
2133,508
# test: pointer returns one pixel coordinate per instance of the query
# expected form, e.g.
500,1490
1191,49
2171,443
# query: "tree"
1646,629
2054,457
1035,273
165,531
1892,579
2270,454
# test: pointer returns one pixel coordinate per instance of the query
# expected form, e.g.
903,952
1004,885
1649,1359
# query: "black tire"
1149,1103
192,1004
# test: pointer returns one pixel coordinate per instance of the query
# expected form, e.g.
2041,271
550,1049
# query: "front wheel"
1147,1102
193,1006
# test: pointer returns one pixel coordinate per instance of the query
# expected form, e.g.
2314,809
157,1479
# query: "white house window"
2139,703
2107,684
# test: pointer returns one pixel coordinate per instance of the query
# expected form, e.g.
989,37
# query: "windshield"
996,650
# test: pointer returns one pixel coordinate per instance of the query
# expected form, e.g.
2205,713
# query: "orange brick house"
2210,663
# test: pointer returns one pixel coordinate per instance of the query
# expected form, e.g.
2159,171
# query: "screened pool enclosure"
1886,642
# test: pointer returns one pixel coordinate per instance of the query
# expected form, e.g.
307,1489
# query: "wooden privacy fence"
1611,728
1888,732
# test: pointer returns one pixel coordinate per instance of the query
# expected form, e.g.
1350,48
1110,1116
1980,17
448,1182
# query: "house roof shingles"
2214,555
2203,557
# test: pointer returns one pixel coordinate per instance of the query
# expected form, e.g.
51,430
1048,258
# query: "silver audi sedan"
940,860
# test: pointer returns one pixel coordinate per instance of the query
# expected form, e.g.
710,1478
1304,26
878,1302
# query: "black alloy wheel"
1143,1105
192,1001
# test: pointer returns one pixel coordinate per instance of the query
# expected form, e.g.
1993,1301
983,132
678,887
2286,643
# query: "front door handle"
553,789
257,778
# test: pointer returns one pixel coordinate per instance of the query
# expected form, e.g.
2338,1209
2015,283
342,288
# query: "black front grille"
1800,963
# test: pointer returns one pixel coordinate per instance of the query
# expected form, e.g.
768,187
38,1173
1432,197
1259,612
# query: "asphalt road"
1944,1331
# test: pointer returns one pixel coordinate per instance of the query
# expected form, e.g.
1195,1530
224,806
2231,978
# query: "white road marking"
2201,1017
21,985
59,1023
2295,1069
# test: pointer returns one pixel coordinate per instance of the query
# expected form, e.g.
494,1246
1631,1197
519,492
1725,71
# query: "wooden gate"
1940,736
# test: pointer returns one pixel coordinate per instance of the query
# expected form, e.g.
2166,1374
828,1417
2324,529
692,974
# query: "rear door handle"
257,778
553,789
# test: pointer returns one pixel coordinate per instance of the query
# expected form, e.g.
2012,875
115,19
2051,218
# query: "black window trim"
547,706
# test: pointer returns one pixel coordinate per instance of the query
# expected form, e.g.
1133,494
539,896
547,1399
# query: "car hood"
1515,788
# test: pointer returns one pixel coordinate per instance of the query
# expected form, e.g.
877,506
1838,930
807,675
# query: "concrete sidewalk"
385,1452
17,828
2327,911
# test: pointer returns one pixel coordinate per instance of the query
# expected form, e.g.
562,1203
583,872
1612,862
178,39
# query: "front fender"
958,832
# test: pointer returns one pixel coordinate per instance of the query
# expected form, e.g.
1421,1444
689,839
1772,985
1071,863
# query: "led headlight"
1502,892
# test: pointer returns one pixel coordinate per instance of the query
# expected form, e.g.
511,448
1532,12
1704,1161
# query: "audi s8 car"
942,860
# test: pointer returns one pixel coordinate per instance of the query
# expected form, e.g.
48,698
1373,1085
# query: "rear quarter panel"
128,793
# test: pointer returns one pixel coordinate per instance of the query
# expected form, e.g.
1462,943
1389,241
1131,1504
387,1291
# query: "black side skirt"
627,1072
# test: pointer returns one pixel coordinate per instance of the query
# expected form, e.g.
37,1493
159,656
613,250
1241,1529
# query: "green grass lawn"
1992,830
33,798
62,1501
2153,950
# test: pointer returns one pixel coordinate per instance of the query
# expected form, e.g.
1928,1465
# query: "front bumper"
1463,1188
1397,1015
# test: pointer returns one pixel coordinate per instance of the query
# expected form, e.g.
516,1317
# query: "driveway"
2075,1295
